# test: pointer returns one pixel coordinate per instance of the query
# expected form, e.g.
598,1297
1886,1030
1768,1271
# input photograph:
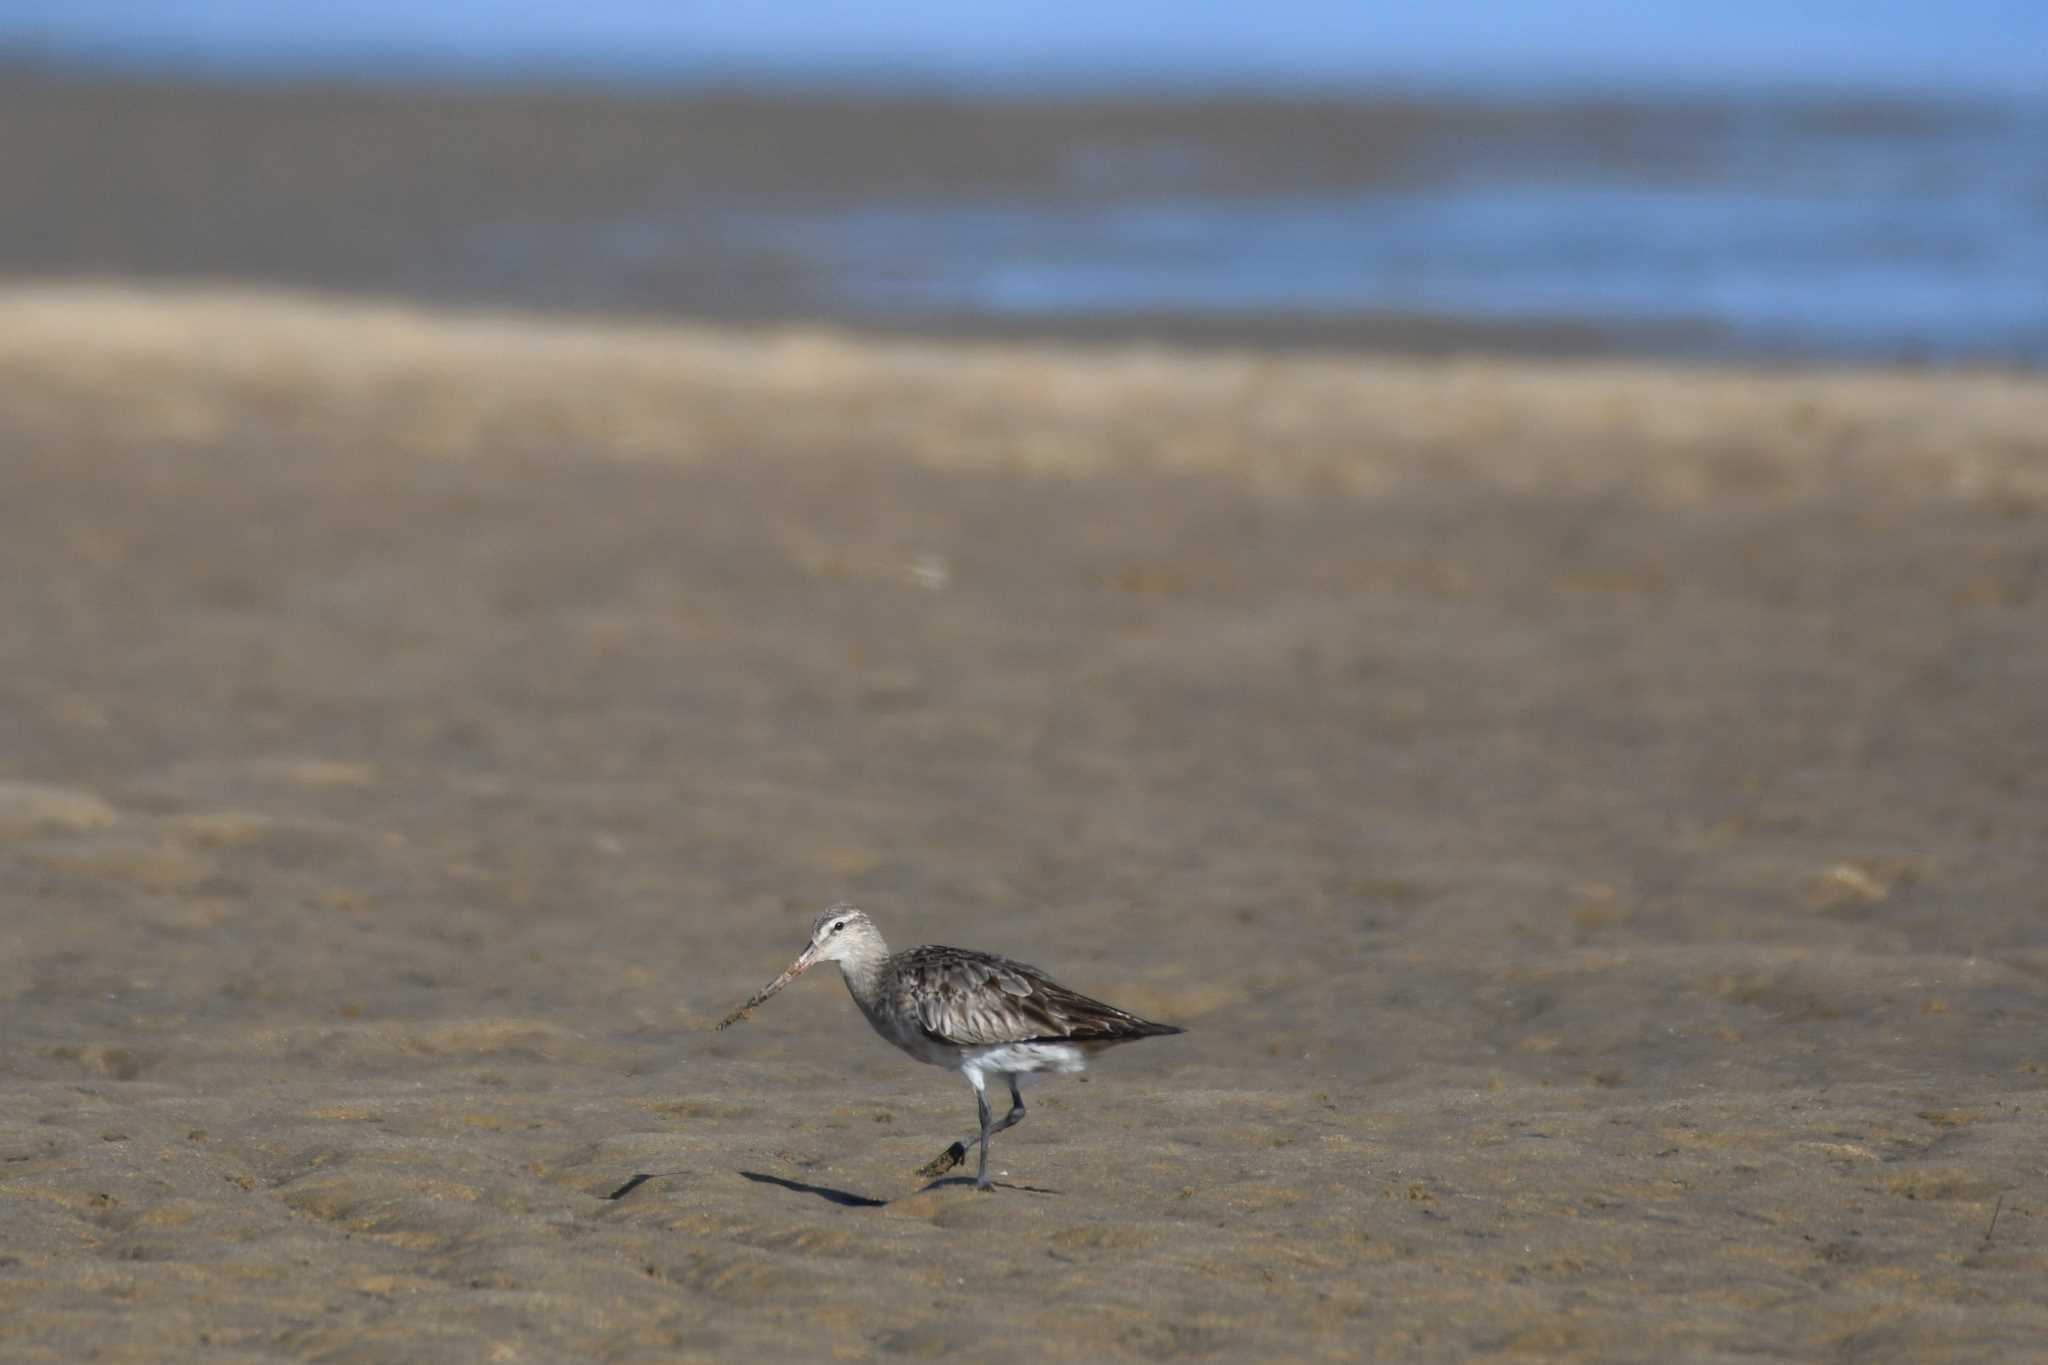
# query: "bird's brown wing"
971,999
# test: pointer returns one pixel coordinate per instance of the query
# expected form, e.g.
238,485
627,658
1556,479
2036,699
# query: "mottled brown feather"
970,999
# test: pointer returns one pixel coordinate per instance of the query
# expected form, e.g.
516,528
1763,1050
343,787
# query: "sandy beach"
1589,819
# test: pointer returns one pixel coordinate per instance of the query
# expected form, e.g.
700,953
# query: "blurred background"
1837,180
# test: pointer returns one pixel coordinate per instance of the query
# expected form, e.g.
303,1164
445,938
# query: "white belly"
1025,1057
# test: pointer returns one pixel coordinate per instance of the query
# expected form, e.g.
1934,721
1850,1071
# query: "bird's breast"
899,1029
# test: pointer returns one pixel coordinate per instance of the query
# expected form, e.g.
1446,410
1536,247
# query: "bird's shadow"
968,1181
848,1199
845,1199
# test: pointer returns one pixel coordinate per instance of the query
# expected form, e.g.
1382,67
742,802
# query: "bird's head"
840,934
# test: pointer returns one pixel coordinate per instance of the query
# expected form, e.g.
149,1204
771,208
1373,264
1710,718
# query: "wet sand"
1590,820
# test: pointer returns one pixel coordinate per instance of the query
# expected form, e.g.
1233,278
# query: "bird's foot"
944,1161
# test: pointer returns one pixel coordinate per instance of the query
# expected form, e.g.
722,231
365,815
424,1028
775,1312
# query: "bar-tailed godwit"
982,1014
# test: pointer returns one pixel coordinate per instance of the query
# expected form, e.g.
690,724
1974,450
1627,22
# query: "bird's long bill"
795,970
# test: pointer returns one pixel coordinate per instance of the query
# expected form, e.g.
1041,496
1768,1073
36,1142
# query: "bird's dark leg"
1016,1114
981,1103
957,1152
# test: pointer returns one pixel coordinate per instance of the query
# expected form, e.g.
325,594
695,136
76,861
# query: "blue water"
1871,271
1923,236
1764,237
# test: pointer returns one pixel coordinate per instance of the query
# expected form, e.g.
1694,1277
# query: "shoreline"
1646,428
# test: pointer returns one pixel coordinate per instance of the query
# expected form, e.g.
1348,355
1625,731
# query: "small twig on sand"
1996,1209
641,1179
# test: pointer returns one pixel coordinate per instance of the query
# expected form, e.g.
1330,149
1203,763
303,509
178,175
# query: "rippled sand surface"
1590,820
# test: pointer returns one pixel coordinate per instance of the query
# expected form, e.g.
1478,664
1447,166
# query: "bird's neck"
863,972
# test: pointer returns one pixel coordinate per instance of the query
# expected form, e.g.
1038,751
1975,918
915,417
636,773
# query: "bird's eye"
837,927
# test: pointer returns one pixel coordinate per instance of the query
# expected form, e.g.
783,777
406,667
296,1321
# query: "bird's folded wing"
978,1000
